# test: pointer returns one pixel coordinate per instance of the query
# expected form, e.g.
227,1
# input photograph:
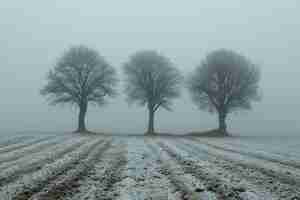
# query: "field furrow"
25,166
23,144
266,146
257,154
101,181
35,182
247,179
142,177
286,174
69,181
77,167
184,185
30,150
14,140
279,183
213,182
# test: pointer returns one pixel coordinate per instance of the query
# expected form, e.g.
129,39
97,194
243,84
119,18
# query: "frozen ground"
73,167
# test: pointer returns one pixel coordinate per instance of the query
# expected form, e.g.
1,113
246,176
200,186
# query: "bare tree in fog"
151,80
81,76
224,82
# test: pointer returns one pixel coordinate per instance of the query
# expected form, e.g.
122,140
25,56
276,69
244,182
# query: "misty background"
35,33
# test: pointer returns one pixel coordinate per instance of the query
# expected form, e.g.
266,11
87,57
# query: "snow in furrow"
69,181
259,154
268,145
225,170
38,147
30,183
23,144
101,181
286,173
186,186
14,140
213,181
11,170
142,177
271,176
249,146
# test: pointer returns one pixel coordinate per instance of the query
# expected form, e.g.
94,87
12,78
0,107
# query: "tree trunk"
81,117
151,122
222,123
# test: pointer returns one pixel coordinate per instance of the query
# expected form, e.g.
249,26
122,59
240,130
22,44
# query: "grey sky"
34,33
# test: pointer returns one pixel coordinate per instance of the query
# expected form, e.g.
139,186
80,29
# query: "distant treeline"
224,82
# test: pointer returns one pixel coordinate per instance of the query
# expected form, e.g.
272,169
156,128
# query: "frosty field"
74,167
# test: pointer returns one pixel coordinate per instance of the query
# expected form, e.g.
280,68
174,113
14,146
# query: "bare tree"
224,82
151,80
81,76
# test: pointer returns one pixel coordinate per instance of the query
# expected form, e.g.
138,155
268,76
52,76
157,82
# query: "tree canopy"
81,76
151,80
224,82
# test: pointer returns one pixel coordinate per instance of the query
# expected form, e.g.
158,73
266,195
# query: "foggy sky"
35,33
